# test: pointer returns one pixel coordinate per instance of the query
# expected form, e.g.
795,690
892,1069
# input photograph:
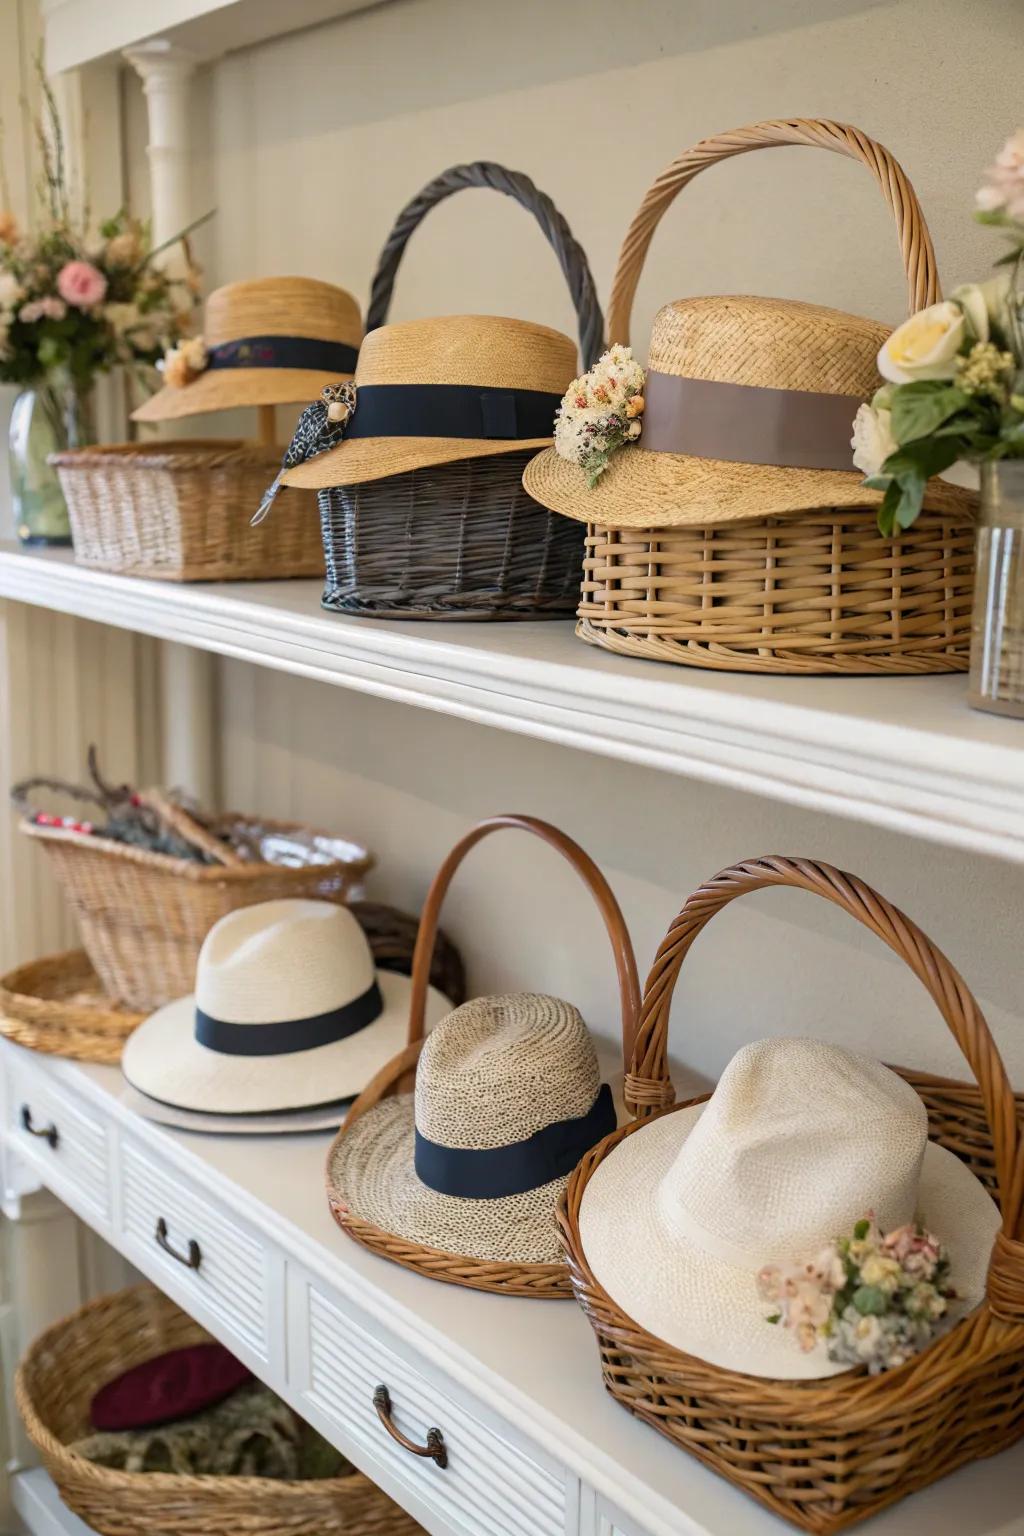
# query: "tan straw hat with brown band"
269,341
442,390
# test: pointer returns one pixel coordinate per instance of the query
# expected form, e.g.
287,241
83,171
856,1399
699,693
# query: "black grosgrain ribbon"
492,1173
284,352
452,410
287,1036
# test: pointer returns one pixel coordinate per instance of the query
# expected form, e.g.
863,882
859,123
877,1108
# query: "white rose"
925,346
11,291
985,304
872,440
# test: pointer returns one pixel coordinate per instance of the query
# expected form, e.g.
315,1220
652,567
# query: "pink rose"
81,284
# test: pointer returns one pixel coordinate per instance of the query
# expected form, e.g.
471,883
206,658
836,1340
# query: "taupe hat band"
745,424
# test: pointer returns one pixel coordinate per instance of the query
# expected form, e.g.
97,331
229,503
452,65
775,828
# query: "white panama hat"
798,1142
289,1013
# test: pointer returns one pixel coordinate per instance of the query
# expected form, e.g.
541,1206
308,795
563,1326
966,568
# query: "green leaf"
776,1317
878,482
870,1301
918,409
861,1230
887,526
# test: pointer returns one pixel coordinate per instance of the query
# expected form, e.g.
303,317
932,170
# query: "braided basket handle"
583,864
485,173
915,241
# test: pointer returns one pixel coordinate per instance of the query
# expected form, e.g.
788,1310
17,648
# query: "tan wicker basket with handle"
505,1278
825,1454
816,592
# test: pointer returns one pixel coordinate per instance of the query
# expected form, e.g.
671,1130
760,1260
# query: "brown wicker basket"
825,1454
68,1364
182,511
543,1281
820,592
58,1006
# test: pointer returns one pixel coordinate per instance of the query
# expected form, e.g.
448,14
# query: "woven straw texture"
58,1006
504,1277
182,512
264,306
68,1364
460,541
826,1454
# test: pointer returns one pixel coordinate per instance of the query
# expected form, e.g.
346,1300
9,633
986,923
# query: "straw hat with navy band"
289,1012
269,341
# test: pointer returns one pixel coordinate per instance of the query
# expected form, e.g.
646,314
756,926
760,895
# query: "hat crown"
281,306
798,1142
484,350
498,1069
769,344
282,960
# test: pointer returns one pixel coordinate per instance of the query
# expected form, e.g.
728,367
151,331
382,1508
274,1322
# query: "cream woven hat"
269,341
508,1099
798,1142
749,408
289,1012
442,390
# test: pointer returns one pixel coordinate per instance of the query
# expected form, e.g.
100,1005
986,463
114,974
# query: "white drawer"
488,1488
63,1139
222,1272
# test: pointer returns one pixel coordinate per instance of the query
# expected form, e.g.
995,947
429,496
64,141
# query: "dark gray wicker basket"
462,540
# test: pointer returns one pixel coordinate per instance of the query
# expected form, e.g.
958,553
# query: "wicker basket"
58,1006
182,511
68,1364
825,1454
817,592
542,1281
463,540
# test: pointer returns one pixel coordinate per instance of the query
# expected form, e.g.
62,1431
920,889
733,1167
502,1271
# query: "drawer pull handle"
191,1260
435,1448
48,1133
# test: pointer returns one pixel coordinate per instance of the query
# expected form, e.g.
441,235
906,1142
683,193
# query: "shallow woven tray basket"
818,591
68,1364
58,1006
825,1454
464,540
543,1281
182,511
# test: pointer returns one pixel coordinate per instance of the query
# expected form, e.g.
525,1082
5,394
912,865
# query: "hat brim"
371,1170
293,1122
710,1309
164,1060
641,489
375,458
224,388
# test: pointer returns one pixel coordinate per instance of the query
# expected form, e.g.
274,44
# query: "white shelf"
902,753
40,1509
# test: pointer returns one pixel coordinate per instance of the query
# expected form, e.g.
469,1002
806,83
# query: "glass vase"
997,625
47,417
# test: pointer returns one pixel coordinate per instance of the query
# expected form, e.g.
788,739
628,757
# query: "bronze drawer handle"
191,1260
48,1133
435,1448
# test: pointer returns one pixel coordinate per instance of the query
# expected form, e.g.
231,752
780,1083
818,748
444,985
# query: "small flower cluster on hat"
874,1300
182,364
600,412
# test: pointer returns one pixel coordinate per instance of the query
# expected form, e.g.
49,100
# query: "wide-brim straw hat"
798,1143
508,1098
761,395
497,382
289,1122
289,1013
269,341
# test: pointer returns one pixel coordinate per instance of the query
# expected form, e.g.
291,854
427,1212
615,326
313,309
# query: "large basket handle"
583,864
485,173
648,1077
915,241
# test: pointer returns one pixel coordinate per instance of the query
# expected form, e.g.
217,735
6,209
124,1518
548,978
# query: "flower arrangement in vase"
73,308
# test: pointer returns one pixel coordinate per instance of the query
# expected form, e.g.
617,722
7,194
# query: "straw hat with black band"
268,341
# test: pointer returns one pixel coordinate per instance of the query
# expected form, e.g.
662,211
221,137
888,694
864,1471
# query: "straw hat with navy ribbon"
289,1012
268,341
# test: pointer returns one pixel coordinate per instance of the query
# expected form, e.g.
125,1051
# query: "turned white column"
187,675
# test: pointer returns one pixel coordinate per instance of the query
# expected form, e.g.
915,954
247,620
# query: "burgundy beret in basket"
171,1386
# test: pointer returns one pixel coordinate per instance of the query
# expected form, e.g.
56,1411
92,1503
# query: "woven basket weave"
464,540
818,592
68,1364
182,511
825,1454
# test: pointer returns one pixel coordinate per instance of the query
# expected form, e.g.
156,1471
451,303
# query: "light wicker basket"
182,511
825,1454
541,1281
65,1368
57,1005
807,593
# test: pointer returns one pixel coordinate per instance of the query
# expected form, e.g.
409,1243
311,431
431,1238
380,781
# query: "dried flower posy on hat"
600,412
